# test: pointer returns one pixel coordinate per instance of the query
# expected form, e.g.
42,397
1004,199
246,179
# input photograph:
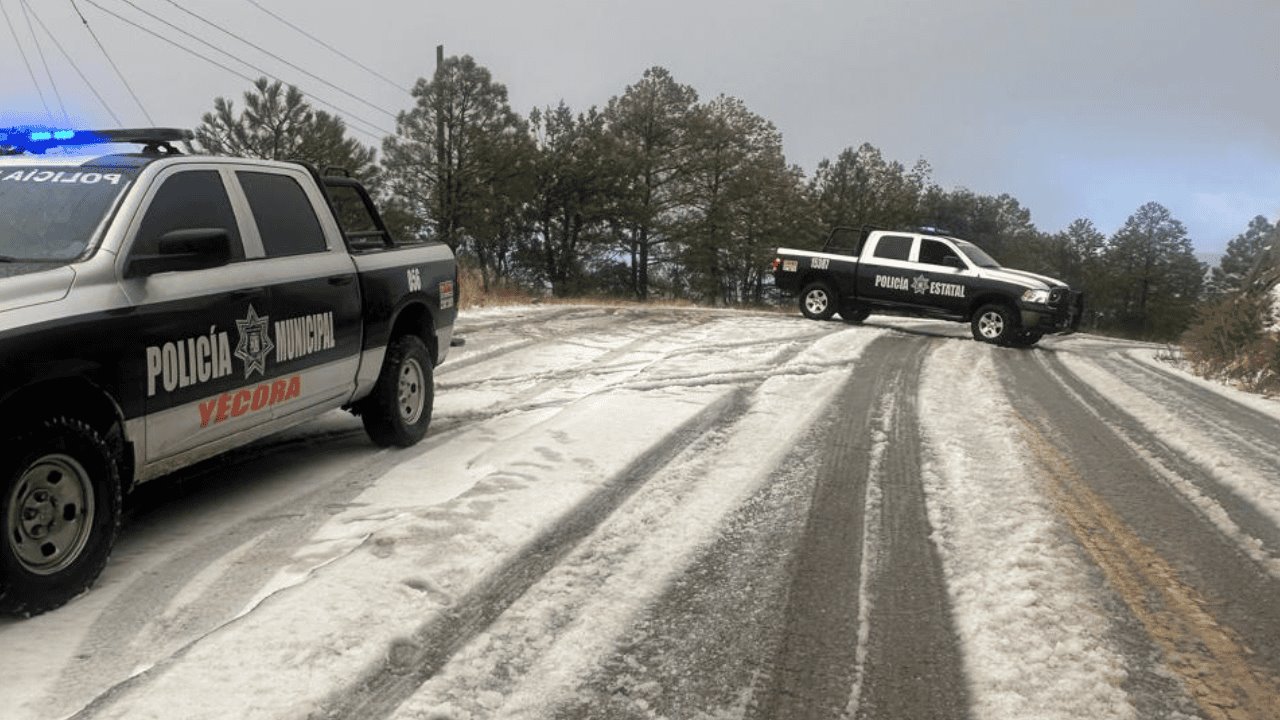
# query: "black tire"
398,410
854,315
994,323
59,514
817,301
1025,338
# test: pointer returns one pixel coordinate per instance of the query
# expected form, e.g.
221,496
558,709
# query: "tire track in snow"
1026,603
1253,527
419,657
1194,602
538,659
868,630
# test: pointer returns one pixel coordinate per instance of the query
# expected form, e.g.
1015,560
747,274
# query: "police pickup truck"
930,275
157,309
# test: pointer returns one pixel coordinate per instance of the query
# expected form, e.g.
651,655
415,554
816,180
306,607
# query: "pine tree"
573,180
649,124
1153,278
277,123
1242,254
861,188
461,163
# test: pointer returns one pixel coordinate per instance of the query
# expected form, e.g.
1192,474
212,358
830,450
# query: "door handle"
340,279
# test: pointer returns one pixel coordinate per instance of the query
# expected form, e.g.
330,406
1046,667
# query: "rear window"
53,213
285,217
893,247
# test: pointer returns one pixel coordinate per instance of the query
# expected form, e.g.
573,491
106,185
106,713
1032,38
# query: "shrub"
1232,340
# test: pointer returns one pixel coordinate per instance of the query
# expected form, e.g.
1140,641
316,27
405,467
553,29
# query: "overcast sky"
1078,108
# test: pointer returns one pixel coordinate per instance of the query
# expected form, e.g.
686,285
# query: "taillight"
776,263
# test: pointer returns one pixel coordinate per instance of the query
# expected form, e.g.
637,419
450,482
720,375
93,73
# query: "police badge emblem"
255,342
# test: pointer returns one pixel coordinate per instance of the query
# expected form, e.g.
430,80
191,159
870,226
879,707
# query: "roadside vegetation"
1236,337
662,195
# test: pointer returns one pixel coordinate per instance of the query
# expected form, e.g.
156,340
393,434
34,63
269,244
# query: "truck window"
285,217
355,218
893,247
934,252
188,200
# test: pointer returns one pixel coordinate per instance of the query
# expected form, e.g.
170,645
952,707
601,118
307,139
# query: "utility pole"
444,177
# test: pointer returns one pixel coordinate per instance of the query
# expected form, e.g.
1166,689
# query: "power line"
335,50
276,57
23,53
112,63
233,71
76,67
26,13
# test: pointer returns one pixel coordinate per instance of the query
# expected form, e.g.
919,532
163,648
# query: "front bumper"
1061,314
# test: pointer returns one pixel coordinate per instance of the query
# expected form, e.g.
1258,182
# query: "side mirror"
191,249
954,262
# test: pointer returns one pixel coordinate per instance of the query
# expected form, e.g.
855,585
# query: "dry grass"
1231,342
502,293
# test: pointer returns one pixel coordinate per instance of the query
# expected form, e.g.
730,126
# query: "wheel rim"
816,301
50,514
412,393
991,324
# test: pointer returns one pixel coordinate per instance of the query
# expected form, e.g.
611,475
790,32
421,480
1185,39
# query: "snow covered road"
630,512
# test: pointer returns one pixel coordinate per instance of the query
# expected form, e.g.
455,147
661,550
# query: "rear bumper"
788,282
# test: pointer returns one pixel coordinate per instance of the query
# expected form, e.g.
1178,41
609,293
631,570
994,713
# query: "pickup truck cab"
928,275
157,309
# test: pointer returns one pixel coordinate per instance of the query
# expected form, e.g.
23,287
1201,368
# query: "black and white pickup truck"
157,309
929,275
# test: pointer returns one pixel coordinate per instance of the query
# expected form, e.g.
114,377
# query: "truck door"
201,331
946,284
314,296
884,272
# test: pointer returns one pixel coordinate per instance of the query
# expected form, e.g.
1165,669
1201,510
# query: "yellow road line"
1209,658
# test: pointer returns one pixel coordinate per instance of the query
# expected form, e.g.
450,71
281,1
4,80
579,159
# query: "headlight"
1036,296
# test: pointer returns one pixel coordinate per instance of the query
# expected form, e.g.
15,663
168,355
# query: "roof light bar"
38,140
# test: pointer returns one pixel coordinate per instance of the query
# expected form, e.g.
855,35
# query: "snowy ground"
687,513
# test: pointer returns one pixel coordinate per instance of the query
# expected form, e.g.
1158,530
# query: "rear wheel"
817,301
994,324
398,410
59,514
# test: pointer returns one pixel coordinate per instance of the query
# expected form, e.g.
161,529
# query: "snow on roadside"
1265,405
416,541
1028,612
538,655
1246,481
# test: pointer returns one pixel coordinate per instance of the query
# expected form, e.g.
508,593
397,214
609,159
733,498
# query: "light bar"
37,140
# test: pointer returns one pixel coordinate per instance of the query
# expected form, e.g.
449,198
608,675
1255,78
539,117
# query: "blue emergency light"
38,140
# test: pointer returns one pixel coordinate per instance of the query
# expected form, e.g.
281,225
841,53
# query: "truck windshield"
51,213
975,254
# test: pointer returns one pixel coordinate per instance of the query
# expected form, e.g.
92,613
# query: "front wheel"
817,302
60,512
1025,338
398,410
994,324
